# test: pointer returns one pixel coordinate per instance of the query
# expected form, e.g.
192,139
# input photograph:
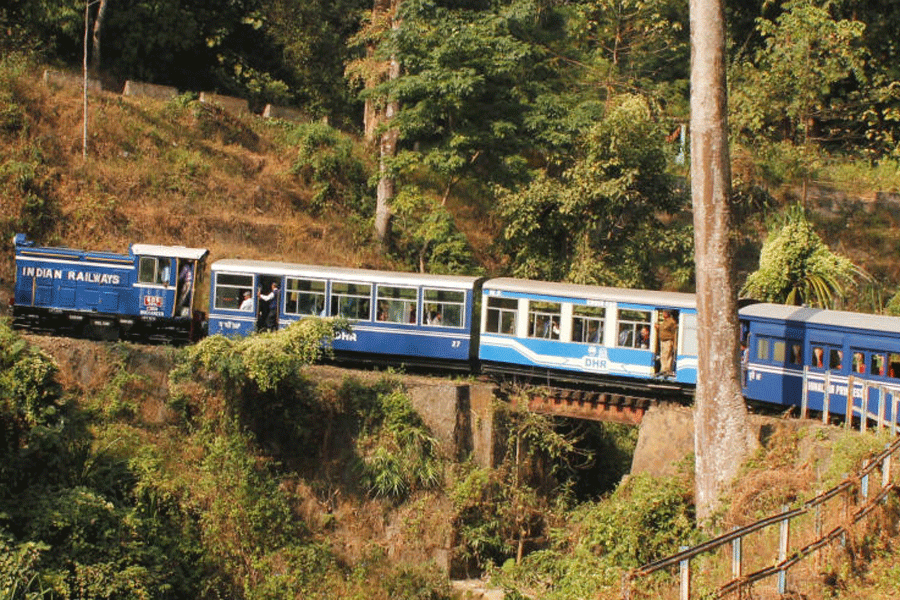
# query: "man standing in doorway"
668,331
271,303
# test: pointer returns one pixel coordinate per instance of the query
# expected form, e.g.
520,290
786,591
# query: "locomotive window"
351,300
304,297
634,329
163,270
444,308
397,304
587,324
543,320
230,288
501,315
762,348
147,270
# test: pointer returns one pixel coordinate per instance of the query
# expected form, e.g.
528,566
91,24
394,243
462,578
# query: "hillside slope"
177,172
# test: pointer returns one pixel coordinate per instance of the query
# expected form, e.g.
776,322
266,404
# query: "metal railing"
787,557
884,417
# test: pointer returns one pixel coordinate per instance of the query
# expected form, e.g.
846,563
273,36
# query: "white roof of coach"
592,292
819,316
169,251
281,269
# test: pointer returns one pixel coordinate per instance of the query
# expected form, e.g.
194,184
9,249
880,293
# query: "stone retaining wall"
149,90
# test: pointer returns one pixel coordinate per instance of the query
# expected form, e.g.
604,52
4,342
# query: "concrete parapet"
70,80
666,437
285,112
230,104
460,416
149,90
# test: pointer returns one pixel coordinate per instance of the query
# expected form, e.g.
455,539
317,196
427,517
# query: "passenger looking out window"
836,359
877,365
587,324
894,365
817,357
444,308
397,304
230,289
304,297
634,329
543,320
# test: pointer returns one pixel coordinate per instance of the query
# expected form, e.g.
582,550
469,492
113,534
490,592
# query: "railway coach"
147,294
395,318
584,333
829,349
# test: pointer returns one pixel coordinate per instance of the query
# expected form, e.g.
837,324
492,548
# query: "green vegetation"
536,139
796,267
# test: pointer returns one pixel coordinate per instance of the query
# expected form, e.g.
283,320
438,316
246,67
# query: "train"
557,333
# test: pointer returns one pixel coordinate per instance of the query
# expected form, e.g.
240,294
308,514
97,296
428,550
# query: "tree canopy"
797,267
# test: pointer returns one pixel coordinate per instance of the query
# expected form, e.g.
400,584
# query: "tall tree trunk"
387,147
95,40
722,436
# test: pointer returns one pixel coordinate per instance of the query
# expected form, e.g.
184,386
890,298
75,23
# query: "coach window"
396,304
543,320
587,324
230,288
779,351
796,353
351,300
444,308
304,297
835,359
501,315
817,360
876,365
762,348
634,329
893,365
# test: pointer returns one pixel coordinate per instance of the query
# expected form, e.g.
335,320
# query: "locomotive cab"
147,294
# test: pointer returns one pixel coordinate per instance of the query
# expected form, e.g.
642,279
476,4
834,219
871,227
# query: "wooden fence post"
850,403
804,398
783,540
864,489
895,400
685,577
881,408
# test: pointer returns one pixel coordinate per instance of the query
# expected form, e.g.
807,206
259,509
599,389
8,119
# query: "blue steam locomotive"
148,294
552,331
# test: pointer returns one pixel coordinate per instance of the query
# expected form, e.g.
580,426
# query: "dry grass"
175,173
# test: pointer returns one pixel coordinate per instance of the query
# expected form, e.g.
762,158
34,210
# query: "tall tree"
721,433
376,71
387,144
97,36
